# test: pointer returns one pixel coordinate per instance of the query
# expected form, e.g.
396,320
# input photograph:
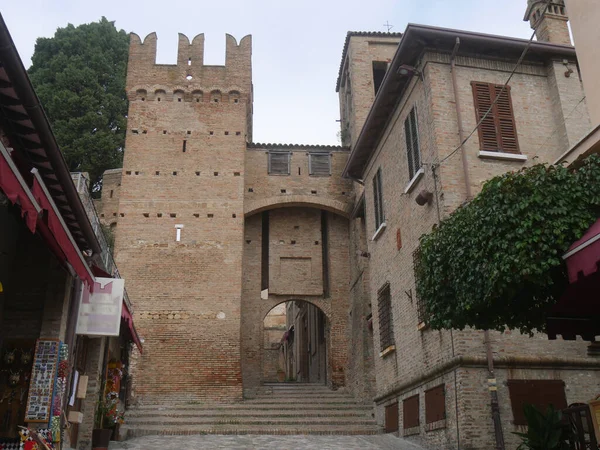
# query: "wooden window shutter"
378,199
410,412
498,131
384,312
539,393
279,163
319,164
435,404
411,133
391,418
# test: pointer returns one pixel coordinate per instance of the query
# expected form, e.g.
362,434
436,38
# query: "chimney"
549,22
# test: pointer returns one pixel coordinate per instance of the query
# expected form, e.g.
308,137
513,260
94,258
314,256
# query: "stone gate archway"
295,339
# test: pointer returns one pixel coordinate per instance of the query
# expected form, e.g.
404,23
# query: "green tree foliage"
496,262
79,76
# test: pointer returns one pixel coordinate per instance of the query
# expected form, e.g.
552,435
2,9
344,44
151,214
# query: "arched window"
197,96
160,95
178,96
234,97
215,96
141,95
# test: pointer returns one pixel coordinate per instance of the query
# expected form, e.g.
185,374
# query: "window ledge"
422,326
387,351
502,156
436,425
379,231
411,431
411,184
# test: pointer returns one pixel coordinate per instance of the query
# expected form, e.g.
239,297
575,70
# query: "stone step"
147,430
263,412
240,420
276,404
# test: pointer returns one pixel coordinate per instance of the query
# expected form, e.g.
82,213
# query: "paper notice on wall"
100,310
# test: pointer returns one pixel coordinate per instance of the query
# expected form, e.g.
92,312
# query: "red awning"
127,317
583,257
14,187
61,234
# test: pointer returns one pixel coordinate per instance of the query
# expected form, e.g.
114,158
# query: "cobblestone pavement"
294,442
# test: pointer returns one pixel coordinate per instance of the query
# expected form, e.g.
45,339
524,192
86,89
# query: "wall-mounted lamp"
569,71
424,197
405,70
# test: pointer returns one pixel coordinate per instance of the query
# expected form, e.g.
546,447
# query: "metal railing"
81,181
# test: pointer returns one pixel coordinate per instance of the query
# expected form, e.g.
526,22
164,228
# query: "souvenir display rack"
43,376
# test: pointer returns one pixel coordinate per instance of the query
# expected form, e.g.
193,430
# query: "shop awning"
127,319
583,257
14,187
41,214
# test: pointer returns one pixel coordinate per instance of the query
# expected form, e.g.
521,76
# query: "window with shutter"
319,164
410,412
435,404
384,309
279,163
539,393
391,418
413,152
378,199
498,131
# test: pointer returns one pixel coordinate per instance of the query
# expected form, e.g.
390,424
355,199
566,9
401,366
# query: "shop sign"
100,310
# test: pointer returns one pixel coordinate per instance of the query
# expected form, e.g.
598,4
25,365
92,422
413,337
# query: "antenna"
388,25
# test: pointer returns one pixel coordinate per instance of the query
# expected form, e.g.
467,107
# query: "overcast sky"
297,45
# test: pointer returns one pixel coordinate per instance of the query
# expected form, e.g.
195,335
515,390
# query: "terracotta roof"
359,33
294,146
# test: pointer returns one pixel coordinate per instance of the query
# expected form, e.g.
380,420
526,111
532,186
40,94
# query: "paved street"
386,442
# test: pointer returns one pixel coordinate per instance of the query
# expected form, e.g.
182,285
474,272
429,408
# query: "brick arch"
322,304
255,206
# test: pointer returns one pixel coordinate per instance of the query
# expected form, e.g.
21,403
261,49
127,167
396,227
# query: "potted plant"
544,431
108,415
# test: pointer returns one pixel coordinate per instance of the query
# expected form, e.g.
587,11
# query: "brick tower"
180,224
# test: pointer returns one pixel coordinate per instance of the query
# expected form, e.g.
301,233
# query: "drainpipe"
493,394
495,408
461,133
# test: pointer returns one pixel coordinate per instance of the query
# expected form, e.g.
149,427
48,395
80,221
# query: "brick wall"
183,165
424,357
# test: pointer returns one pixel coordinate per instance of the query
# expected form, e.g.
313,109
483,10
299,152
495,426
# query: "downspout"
495,408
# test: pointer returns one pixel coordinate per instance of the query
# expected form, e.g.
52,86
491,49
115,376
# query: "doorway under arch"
295,343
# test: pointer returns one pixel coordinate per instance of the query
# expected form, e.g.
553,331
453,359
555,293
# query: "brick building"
213,230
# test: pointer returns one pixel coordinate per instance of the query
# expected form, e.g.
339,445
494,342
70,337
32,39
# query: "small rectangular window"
413,152
379,69
539,393
279,163
391,418
319,164
435,404
384,311
378,199
410,412
498,131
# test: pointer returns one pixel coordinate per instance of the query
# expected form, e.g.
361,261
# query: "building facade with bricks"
213,230
435,386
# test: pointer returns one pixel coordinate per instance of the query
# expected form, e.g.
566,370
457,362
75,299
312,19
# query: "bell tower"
549,22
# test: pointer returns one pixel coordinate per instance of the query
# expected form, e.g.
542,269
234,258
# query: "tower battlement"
190,73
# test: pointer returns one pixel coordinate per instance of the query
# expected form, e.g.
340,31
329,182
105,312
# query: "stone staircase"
283,408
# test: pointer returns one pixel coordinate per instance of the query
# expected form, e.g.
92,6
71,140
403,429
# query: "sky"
297,45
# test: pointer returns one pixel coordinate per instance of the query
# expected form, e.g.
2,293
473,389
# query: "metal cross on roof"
388,25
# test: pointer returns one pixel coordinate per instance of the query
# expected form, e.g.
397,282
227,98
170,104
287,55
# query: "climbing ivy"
496,262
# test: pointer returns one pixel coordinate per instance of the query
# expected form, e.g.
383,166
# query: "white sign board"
100,310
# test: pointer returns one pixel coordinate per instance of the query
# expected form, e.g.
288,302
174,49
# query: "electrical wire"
557,127
520,60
